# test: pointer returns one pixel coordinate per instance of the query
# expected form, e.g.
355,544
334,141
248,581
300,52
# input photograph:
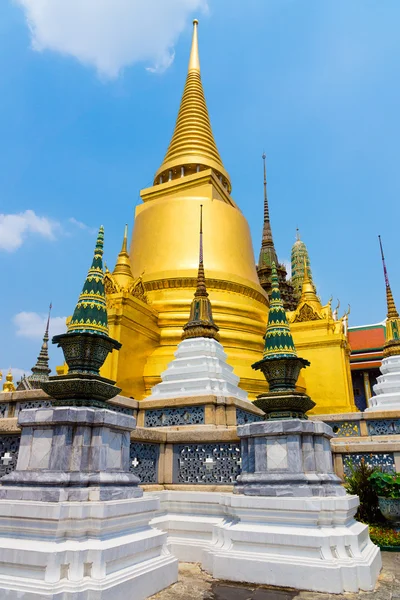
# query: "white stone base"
387,388
304,543
82,551
198,369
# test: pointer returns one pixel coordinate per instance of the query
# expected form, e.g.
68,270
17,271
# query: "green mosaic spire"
278,339
90,314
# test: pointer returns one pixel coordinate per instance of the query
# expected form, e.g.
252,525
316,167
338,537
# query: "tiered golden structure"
150,291
147,313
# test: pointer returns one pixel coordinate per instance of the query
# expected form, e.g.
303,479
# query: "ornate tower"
41,370
268,256
164,253
299,259
387,389
392,344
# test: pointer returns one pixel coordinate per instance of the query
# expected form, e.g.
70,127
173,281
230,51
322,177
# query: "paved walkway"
195,584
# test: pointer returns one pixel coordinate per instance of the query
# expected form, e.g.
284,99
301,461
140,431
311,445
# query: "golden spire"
392,344
192,147
267,252
201,322
123,272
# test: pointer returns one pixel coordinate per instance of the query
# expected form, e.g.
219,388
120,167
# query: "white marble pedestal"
308,543
304,543
387,388
82,551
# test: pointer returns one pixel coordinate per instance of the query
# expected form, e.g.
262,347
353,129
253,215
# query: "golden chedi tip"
392,344
122,272
192,147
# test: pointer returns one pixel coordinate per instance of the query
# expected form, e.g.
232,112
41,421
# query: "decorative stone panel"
31,404
384,427
214,463
243,417
9,447
144,461
184,415
345,428
125,410
384,460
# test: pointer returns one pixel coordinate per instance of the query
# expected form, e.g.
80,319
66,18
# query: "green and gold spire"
299,259
392,344
201,322
278,339
90,314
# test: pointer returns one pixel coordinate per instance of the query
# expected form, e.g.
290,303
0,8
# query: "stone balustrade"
180,454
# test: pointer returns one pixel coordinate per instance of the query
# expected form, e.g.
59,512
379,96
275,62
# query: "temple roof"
90,314
192,146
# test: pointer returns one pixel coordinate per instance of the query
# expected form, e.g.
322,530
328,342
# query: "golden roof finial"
192,147
122,272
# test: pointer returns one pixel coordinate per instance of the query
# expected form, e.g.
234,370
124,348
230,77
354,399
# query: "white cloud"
110,34
32,325
81,225
14,228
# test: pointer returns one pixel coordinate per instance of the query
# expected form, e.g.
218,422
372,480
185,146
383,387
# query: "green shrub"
386,484
358,483
384,536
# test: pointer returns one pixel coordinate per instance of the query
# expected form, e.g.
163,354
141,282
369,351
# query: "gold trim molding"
216,284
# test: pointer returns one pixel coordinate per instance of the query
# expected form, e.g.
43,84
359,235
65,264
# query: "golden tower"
164,260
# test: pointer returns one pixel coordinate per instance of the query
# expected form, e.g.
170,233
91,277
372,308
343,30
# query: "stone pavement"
195,584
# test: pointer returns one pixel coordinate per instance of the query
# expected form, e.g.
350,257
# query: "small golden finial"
194,60
297,234
125,242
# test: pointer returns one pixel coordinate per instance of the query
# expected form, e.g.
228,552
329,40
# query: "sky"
89,93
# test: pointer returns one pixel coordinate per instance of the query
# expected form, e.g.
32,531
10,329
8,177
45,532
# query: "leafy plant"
384,536
386,484
358,483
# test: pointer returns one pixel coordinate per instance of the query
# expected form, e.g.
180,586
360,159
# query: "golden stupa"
151,288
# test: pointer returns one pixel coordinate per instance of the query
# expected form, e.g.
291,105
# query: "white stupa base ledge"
387,388
305,543
199,368
82,551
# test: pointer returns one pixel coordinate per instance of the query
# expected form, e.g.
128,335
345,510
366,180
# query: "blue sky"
89,92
